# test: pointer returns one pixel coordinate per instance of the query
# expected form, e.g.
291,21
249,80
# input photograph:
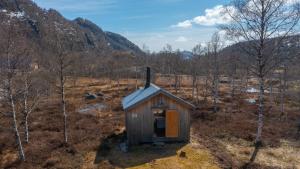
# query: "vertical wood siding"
140,125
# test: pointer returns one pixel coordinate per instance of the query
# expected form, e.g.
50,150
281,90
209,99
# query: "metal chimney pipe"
148,78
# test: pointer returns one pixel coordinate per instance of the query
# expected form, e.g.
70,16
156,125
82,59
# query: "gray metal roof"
143,94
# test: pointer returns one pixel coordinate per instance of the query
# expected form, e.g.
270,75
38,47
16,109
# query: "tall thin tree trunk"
197,91
118,84
215,81
206,89
271,91
215,93
63,102
176,83
26,129
15,125
26,110
170,77
215,99
282,94
247,79
260,111
193,86
232,87
65,115
258,140
179,84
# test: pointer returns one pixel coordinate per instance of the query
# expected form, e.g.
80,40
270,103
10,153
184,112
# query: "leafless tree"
177,66
31,96
12,59
256,22
206,72
60,66
198,51
233,73
214,46
283,88
288,58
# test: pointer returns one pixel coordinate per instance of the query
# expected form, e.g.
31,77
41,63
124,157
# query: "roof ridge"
143,93
154,85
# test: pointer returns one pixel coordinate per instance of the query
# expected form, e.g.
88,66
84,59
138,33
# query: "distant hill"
289,45
186,54
41,26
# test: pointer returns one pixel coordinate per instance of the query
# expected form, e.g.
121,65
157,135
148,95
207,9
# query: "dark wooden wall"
139,120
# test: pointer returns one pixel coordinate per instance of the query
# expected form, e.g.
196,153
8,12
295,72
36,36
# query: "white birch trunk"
193,86
26,110
260,112
271,91
282,94
15,125
216,93
26,128
215,90
206,88
65,114
63,102
232,86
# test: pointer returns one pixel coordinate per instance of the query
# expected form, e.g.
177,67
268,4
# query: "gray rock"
251,101
123,147
91,97
159,144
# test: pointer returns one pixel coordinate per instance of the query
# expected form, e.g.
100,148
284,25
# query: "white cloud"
212,16
184,24
181,39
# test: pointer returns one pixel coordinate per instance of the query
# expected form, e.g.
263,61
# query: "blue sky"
155,23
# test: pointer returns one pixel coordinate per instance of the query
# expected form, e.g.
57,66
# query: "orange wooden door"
172,123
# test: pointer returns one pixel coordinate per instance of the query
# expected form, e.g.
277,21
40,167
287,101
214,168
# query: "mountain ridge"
41,25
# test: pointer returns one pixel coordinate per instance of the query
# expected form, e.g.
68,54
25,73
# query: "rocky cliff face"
41,26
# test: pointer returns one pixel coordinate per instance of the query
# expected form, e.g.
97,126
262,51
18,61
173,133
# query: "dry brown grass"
221,140
286,155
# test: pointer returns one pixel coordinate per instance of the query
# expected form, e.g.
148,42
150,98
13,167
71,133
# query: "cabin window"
160,101
157,111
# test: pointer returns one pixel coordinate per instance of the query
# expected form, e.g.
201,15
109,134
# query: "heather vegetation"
62,82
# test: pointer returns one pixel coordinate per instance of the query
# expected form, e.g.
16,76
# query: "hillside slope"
42,26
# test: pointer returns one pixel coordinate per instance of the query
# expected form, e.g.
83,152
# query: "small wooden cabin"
154,114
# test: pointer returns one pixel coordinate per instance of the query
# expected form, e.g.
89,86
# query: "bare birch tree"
283,88
60,65
197,52
11,63
214,47
31,95
256,22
